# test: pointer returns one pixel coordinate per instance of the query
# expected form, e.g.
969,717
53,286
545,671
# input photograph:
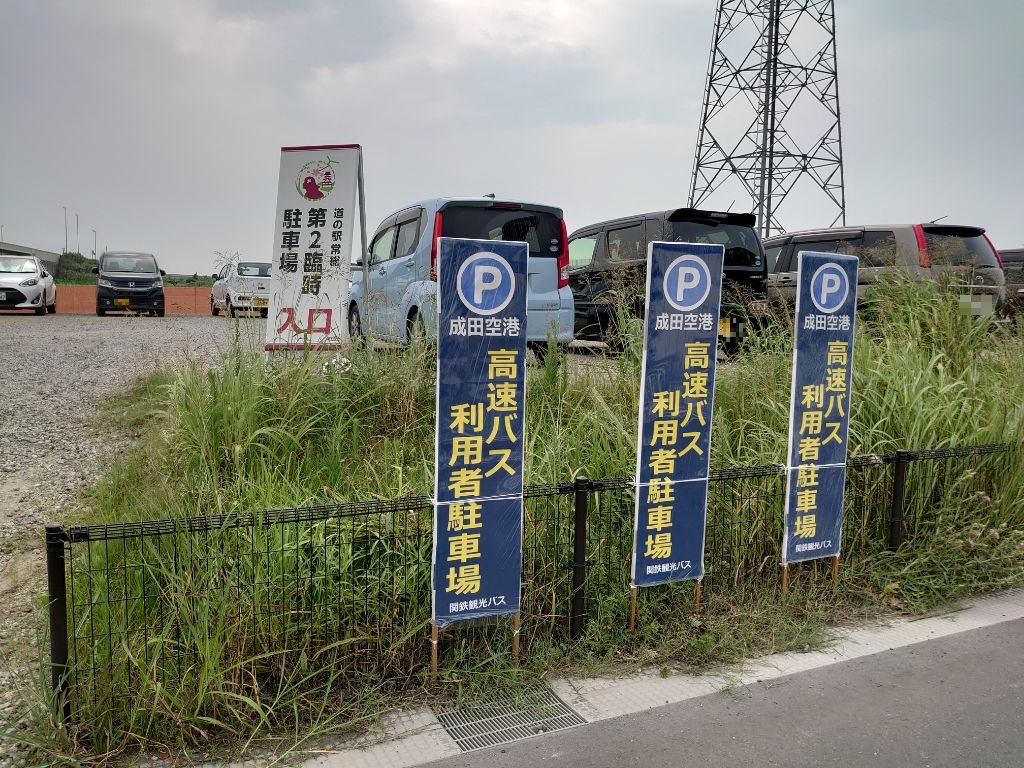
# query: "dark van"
129,281
608,267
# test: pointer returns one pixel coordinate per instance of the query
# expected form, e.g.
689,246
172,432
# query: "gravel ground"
55,371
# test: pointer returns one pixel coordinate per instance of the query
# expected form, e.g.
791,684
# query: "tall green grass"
253,632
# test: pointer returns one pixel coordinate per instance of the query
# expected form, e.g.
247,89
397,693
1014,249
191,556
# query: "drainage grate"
493,721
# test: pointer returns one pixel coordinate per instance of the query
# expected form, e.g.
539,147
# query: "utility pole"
771,114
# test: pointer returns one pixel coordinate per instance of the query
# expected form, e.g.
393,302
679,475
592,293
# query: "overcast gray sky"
159,122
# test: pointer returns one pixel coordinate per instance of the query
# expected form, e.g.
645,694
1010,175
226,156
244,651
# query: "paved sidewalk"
416,736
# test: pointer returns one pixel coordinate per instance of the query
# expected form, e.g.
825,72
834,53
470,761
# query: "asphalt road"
957,702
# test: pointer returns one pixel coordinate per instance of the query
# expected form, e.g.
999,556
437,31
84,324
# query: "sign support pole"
364,256
632,607
433,652
515,639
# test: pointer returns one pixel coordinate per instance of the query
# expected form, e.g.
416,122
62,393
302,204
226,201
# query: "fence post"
899,484
577,614
56,583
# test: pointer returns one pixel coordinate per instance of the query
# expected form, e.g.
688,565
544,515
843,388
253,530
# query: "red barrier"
179,299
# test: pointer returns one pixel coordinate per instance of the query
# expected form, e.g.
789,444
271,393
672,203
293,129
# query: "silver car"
244,286
25,284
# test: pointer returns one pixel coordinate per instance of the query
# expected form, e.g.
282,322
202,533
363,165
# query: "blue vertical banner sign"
481,377
677,389
819,410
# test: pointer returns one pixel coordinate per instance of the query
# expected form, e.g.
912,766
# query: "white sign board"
316,206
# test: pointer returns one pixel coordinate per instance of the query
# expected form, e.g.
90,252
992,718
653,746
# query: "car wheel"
355,326
417,330
541,351
213,308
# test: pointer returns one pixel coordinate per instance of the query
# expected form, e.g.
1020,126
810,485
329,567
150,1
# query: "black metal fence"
137,607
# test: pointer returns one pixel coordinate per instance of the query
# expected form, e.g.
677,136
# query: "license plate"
120,302
259,302
977,304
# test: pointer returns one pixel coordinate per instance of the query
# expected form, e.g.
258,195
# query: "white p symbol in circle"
830,284
687,282
486,277
485,283
689,277
829,288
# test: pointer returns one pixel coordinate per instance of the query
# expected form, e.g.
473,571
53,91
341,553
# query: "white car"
244,286
25,284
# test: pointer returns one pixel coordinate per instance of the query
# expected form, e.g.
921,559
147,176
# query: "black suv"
129,282
608,267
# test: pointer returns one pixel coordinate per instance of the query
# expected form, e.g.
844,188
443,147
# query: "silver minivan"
400,301
917,251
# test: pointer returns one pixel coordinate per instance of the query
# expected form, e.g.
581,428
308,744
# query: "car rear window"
540,229
742,246
145,264
254,269
957,247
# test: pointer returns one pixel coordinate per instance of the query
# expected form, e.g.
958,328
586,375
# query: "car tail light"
998,257
433,246
923,259
563,258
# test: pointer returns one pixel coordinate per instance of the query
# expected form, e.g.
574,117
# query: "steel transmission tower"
770,127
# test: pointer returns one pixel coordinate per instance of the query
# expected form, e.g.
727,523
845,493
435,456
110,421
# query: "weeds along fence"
237,608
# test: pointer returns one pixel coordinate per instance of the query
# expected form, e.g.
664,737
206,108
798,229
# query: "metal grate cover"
501,720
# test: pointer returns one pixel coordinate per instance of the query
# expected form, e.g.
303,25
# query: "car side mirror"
162,273
95,270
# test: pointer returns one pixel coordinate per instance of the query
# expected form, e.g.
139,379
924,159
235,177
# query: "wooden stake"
696,596
784,573
632,608
433,653
515,640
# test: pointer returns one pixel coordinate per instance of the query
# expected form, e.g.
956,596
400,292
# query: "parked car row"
581,284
